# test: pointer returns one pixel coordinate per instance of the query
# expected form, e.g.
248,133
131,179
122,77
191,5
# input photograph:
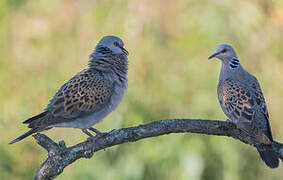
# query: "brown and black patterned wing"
240,105
260,101
236,101
84,94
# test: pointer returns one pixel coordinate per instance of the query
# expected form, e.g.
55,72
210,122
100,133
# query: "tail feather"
35,123
268,155
39,116
30,132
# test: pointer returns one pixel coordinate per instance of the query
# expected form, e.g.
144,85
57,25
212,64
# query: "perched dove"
241,99
90,95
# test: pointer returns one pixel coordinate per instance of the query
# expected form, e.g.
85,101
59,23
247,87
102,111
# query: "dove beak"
213,55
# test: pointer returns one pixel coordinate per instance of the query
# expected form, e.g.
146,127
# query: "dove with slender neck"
242,101
89,96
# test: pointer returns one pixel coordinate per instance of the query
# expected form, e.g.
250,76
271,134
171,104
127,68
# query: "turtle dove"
89,96
242,101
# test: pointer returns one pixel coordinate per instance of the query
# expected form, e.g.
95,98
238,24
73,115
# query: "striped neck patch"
234,63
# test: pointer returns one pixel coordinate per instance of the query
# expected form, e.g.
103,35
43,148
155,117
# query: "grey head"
110,56
227,55
111,44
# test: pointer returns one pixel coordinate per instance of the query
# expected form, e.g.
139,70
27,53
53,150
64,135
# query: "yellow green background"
43,43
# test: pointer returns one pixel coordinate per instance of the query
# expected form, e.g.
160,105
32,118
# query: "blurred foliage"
43,43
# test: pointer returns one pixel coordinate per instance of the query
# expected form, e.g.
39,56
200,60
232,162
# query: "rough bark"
60,156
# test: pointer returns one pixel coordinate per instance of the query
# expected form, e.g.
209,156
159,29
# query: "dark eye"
116,43
224,50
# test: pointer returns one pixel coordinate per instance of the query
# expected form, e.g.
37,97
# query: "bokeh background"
43,43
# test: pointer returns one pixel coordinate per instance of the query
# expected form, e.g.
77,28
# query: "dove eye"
224,50
116,44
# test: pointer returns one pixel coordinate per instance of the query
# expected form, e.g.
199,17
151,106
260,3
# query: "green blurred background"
43,43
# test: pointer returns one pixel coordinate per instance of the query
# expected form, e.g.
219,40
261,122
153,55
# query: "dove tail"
30,132
34,118
39,120
268,155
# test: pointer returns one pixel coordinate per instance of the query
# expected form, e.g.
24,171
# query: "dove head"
224,52
227,55
111,44
110,55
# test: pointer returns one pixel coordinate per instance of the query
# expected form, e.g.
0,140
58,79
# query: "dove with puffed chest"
242,101
89,96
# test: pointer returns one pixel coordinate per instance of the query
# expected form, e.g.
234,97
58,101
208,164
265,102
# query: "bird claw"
97,132
96,140
87,133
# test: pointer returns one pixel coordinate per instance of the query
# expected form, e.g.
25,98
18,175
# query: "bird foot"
87,133
97,132
96,140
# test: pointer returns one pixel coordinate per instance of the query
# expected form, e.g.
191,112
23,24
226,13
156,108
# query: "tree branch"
59,156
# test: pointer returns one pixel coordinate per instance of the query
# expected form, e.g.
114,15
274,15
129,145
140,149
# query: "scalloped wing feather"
241,103
84,94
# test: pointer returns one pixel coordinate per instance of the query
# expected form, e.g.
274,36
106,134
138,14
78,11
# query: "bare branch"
59,156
